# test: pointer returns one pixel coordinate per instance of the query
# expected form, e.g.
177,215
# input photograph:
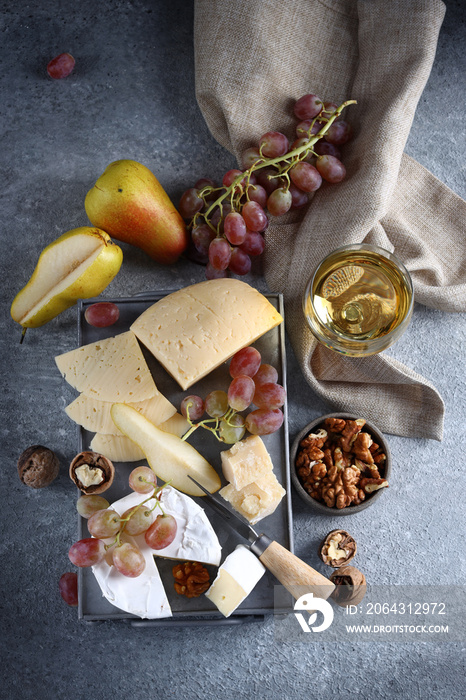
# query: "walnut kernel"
191,579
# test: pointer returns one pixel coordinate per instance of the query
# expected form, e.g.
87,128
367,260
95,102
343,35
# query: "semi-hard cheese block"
256,500
113,369
246,461
192,331
236,578
94,415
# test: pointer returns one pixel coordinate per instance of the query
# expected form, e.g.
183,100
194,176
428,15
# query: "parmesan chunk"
256,500
246,461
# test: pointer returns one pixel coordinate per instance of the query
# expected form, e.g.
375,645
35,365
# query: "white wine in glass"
359,300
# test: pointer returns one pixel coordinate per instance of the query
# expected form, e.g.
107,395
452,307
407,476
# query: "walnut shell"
330,547
93,461
38,466
350,586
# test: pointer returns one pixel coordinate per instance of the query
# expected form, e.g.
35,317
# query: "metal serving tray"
196,611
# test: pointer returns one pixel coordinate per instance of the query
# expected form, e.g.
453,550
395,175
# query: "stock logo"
307,603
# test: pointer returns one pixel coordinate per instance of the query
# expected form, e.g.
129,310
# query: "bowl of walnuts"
340,464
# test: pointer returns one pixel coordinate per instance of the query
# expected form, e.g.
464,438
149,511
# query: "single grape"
245,362
234,228
330,108
241,392
308,107
231,176
102,314
68,587
240,262
216,403
254,243
233,431
142,480
61,66
219,254
331,169
324,148
303,141
140,520
104,523
273,144
192,407
212,274
299,198
86,552
205,182
269,395
254,216
265,374
338,133
249,157
190,203
280,201
88,505
129,560
263,421
257,193
306,128
306,177
202,236
268,179
162,532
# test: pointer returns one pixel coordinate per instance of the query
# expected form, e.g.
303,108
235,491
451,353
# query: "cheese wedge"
245,462
194,330
256,500
117,448
236,578
94,415
114,369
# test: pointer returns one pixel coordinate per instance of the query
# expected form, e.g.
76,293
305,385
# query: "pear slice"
171,458
78,265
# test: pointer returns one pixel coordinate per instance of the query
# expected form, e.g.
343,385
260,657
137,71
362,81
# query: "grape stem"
226,418
288,160
154,495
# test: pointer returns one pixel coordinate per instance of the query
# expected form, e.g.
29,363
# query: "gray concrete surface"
132,96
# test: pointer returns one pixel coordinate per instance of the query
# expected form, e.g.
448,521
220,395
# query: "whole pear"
77,265
130,204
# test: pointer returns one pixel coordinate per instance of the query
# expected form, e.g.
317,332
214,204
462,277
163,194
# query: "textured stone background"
132,96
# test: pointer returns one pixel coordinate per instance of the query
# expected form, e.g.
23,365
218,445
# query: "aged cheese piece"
194,330
113,369
235,580
246,461
94,415
117,448
256,500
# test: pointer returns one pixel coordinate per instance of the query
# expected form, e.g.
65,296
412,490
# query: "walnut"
334,425
348,434
338,548
92,472
361,448
38,466
371,485
311,445
340,488
191,579
350,586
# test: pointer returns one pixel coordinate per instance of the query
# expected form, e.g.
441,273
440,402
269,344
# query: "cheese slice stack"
112,370
254,490
236,578
195,540
194,330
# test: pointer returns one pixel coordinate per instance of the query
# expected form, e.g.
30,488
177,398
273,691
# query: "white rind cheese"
236,578
113,369
196,329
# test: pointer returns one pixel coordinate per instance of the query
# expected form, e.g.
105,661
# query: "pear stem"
22,335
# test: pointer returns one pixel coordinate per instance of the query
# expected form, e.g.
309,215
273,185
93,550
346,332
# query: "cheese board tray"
266,598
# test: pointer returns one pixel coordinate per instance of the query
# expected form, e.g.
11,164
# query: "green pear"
170,457
130,204
78,265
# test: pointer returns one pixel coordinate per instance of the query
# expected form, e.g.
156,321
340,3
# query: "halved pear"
170,457
77,265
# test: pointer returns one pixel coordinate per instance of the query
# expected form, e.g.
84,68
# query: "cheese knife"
293,573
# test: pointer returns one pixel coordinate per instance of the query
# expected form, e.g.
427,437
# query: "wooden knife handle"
293,573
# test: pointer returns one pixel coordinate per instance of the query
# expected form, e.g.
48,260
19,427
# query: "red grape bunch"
252,383
227,222
106,528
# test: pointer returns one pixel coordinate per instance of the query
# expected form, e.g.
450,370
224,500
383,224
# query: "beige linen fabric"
254,58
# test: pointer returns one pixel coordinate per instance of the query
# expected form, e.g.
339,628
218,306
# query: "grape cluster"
227,222
252,382
107,528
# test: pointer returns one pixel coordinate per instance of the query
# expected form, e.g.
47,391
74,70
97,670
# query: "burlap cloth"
254,58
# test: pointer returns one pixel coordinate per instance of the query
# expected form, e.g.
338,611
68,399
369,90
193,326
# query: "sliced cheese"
245,462
117,448
236,578
256,500
114,369
192,331
94,415
176,425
